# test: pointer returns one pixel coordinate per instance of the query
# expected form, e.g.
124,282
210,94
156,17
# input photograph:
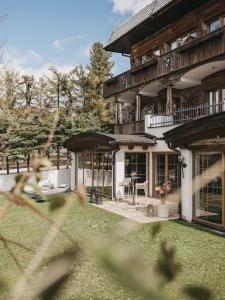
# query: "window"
188,37
95,169
157,52
167,168
214,25
149,56
136,162
173,45
209,186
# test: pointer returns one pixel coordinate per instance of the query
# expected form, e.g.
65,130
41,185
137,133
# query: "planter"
163,211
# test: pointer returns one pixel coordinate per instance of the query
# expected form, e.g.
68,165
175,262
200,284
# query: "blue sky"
39,33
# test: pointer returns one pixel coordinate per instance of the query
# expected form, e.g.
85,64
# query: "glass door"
209,187
137,162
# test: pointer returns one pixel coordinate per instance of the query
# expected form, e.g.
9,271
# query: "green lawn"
201,253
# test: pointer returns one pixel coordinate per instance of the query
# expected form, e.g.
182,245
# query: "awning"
106,142
210,127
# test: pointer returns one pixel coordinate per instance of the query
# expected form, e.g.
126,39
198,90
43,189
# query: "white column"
73,171
187,187
119,173
151,167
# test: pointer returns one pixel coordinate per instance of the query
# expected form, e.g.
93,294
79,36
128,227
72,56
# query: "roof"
203,128
105,142
137,19
152,18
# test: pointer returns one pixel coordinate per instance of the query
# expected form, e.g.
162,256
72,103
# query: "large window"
136,162
209,187
167,168
95,170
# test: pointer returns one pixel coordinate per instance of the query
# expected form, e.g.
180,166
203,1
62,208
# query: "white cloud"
85,52
60,44
129,6
57,45
29,62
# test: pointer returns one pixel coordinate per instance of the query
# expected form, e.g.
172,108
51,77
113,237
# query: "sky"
38,33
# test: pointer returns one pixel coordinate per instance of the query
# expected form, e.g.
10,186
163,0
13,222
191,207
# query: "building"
170,109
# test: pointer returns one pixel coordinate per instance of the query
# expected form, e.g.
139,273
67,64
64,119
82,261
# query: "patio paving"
129,211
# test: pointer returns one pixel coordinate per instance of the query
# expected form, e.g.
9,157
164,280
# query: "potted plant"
162,191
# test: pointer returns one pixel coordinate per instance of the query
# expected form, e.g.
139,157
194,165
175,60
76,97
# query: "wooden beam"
138,108
169,98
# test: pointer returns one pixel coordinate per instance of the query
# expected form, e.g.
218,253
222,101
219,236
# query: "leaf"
56,202
198,293
167,266
155,229
55,275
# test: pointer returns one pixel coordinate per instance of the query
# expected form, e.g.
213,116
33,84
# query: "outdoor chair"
142,186
126,183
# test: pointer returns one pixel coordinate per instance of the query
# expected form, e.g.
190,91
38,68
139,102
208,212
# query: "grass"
200,252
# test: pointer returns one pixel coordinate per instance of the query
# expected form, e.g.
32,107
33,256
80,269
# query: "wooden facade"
170,64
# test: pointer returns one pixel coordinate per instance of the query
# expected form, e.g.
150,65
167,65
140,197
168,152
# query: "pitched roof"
137,19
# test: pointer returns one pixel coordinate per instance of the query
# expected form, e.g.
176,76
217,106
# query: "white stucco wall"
119,172
187,187
56,177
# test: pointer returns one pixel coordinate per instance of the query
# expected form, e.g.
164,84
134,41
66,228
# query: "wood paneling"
193,21
130,128
205,48
171,64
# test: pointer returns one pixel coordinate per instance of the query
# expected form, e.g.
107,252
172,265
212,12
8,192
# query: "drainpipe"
181,159
183,165
114,171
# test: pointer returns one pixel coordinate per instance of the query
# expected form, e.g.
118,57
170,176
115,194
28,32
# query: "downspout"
181,159
114,171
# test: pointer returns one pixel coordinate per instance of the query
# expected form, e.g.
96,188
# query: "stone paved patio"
129,211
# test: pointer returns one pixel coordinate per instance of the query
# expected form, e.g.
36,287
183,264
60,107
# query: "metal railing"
184,115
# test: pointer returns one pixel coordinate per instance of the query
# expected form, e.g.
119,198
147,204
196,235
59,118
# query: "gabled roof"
137,19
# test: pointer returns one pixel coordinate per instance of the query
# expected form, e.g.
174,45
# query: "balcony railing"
200,50
184,115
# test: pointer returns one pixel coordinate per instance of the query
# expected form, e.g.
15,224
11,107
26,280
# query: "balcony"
183,115
137,127
197,52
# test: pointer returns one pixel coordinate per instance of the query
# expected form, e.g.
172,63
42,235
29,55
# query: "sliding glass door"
209,187
166,168
137,162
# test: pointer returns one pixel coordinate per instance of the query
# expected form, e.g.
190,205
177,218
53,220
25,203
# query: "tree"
31,134
11,93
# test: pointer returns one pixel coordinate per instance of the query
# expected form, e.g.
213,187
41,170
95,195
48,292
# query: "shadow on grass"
200,227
